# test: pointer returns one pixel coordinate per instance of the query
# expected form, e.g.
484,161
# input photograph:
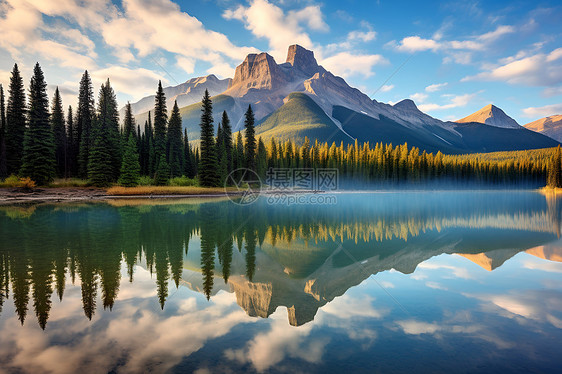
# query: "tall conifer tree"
130,167
38,161
59,131
160,120
83,139
129,125
15,122
227,138
105,155
3,165
70,133
250,139
175,144
208,175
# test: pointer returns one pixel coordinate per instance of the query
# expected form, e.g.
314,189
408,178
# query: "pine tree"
175,146
208,173
38,162
105,154
15,122
162,174
83,138
160,120
129,125
59,131
261,161
3,164
250,135
130,167
108,120
189,167
70,156
239,154
227,139
100,172
149,132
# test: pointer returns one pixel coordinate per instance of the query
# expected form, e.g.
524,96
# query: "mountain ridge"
266,85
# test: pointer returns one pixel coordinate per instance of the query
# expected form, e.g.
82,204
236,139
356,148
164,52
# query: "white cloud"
436,285
348,64
435,87
413,327
543,111
455,102
266,20
419,97
496,34
134,82
139,29
536,70
387,87
416,44
312,16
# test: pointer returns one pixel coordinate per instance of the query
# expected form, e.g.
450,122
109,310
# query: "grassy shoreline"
167,190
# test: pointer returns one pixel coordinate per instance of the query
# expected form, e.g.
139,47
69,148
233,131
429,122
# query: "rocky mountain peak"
302,59
406,104
493,116
258,71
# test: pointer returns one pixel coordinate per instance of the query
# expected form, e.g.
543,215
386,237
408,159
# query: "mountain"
550,126
186,93
493,116
299,98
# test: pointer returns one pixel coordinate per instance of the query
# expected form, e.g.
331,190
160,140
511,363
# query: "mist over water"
389,281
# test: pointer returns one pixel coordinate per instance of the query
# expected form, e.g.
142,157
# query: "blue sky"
452,58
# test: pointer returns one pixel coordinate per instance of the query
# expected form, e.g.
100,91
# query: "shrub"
145,181
182,181
15,182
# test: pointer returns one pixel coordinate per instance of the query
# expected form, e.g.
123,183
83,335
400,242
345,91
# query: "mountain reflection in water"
299,257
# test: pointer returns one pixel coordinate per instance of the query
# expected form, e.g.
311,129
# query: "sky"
452,58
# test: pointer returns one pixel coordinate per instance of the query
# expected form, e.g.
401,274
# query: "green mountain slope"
300,116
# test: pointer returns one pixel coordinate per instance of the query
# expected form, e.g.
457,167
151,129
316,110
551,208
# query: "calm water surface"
378,282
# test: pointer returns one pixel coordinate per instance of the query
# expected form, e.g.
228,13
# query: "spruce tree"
15,122
70,133
59,131
261,160
83,138
189,169
162,174
3,165
239,154
149,145
108,121
208,174
160,120
100,171
250,135
130,167
227,139
38,162
104,161
129,125
175,144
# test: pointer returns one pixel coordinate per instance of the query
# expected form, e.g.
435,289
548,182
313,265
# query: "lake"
370,282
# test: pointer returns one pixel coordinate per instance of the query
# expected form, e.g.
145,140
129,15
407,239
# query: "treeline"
89,143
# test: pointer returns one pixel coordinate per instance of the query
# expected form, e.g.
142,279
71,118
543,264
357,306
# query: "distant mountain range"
550,126
299,98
